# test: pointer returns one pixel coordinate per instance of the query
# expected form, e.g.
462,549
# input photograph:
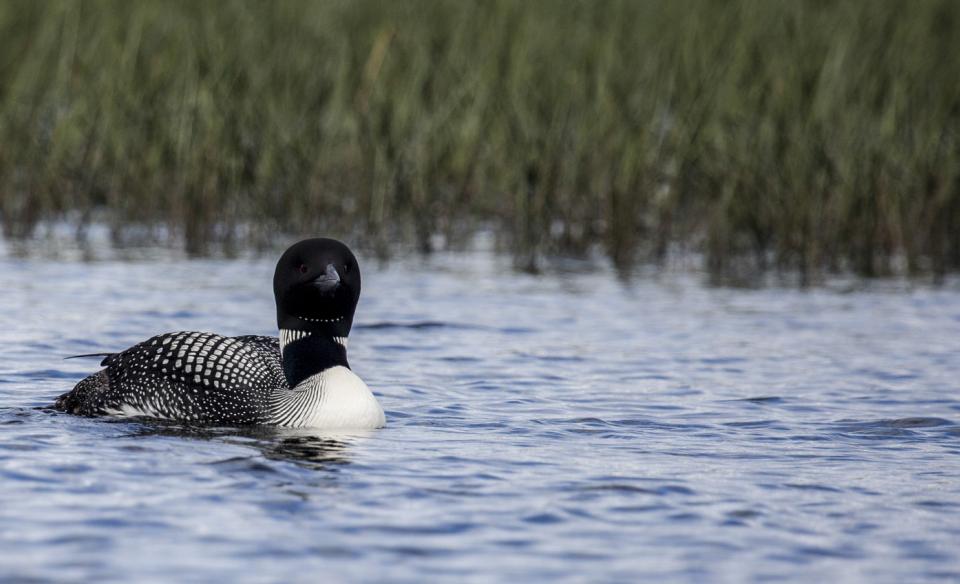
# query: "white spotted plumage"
204,377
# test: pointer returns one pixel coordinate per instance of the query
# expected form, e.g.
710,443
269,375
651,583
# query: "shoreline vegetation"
809,136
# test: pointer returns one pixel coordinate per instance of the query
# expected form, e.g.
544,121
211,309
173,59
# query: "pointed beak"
328,281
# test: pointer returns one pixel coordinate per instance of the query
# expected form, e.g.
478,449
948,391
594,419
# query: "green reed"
808,136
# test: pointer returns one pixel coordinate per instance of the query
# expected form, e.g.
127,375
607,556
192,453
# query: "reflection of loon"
304,447
303,380
311,451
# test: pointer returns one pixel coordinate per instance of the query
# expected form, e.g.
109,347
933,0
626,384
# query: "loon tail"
85,399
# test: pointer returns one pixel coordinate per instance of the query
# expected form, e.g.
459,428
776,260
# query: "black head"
317,285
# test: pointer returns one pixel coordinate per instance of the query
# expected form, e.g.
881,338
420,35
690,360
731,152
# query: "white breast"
333,399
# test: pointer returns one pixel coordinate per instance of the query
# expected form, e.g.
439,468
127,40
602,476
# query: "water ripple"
570,428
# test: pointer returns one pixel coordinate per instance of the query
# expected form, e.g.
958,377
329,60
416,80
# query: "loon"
301,380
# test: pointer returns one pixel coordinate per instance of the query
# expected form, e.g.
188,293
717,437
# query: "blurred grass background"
810,136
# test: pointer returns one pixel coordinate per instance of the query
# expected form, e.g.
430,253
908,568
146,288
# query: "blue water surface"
567,427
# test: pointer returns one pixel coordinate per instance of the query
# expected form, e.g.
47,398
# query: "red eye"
303,268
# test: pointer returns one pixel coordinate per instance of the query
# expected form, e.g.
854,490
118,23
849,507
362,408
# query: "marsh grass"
806,136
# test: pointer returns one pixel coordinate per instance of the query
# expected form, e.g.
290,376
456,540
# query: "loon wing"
211,360
105,356
185,376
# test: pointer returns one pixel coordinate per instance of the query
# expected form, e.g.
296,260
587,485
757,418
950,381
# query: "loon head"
317,285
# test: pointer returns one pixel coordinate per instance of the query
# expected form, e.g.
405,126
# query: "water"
566,427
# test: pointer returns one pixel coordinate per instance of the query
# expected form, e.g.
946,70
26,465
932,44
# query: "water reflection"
307,448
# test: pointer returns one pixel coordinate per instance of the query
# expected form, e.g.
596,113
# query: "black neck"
310,355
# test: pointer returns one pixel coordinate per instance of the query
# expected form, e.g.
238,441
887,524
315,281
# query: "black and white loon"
303,380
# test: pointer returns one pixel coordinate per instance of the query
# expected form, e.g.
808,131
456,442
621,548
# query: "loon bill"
300,380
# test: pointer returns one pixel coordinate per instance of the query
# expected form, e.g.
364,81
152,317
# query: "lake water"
562,427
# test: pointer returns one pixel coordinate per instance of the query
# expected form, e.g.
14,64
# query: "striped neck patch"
288,336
